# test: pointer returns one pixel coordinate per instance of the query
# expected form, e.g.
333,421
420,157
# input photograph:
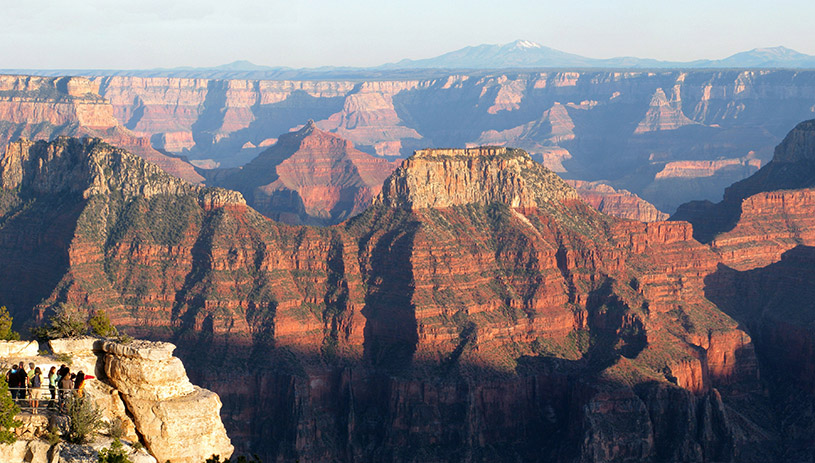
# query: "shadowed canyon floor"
479,310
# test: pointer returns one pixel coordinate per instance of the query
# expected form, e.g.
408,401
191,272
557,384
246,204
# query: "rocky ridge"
619,203
792,168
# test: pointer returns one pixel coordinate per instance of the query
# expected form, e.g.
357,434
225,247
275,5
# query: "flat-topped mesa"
441,178
89,166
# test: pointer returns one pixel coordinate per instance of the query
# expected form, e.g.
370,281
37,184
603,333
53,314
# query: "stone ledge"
19,349
146,350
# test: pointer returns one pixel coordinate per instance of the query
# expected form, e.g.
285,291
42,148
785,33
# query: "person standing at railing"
30,374
22,383
52,386
13,380
65,386
35,384
79,382
22,394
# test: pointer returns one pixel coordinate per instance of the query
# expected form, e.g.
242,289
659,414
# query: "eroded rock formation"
308,176
619,203
451,320
45,107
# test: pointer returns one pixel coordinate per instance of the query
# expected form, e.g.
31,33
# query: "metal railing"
50,400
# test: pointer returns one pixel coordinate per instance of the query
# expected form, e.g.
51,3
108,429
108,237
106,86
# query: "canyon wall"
762,232
476,306
631,129
47,107
666,136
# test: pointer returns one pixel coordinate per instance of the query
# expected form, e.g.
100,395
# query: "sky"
144,34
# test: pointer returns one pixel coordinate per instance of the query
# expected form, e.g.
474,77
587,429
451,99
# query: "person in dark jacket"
12,379
65,387
22,382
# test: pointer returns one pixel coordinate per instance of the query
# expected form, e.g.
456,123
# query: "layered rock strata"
761,206
46,107
621,127
308,176
477,305
619,203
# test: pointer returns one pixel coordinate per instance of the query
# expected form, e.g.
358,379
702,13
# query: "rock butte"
308,176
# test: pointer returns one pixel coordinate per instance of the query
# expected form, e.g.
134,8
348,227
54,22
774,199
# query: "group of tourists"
28,385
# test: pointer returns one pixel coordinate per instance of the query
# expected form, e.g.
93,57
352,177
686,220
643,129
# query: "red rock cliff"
455,313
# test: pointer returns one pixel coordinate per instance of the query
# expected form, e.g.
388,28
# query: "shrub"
66,323
116,428
84,419
115,454
52,436
8,410
240,459
6,334
101,325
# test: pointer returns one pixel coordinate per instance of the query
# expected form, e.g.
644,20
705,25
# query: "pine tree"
8,410
6,334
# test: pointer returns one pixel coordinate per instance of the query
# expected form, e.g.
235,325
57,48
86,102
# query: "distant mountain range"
520,54
526,54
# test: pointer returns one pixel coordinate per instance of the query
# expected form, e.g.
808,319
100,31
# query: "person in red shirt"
79,382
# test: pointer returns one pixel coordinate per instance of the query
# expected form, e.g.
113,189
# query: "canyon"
479,309
623,128
667,136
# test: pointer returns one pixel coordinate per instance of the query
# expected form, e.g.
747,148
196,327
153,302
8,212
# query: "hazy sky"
117,34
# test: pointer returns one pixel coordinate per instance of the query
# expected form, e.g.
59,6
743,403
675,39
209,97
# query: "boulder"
182,429
178,421
75,346
28,451
146,379
144,350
